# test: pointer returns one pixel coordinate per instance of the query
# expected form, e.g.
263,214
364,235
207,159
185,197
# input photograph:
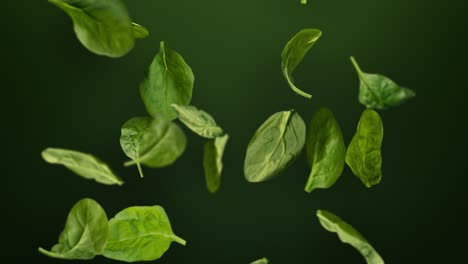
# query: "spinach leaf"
295,51
154,142
169,81
363,155
325,150
85,233
349,235
198,121
102,26
140,233
139,31
213,162
85,165
304,2
274,146
379,92
261,261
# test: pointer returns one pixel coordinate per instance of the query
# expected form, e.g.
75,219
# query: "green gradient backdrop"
58,94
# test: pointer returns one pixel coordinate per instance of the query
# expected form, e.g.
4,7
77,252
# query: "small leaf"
102,26
169,81
363,155
304,2
295,51
379,92
85,233
154,142
274,146
261,261
85,165
140,233
139,31
349,235
325,150
213,162
198,121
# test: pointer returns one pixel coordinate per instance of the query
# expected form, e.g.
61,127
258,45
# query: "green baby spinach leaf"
213,162
102,26
154,142
294,52
364,156
85,234
379,92
139,31
85,165
169,81
274,146
261,261
140,233
349,235
325,150
198,121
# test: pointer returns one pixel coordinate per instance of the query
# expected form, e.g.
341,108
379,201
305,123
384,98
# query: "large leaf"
85,165
102,26
154,142
140,233
85,233
349,235
274,146
364,156
380,92
325,150
169,81
198,121
294,52
213,162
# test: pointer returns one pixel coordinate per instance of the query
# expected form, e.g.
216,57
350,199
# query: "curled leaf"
349,235
85,233
213,162
294,52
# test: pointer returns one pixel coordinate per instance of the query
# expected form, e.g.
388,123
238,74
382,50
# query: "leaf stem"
362,77
180,240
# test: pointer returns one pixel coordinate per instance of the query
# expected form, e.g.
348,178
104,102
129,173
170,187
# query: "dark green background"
55,93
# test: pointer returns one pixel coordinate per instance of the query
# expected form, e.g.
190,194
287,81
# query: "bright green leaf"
349,235
139,31
295,51
213,162
169,81
325,150
85,165
154,142
364,155
261,261
102,26
85,233
379,92
198,121
304,2
140,233
274,146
